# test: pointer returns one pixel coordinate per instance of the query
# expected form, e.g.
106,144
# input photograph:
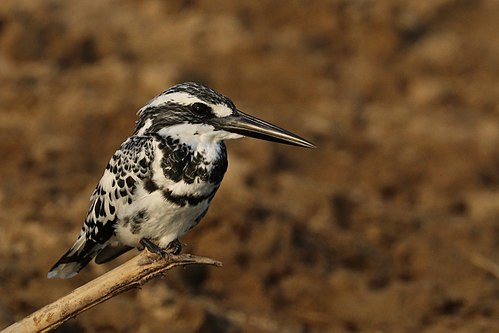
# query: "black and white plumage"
160,182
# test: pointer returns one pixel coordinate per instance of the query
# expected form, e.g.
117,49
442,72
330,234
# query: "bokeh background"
390,225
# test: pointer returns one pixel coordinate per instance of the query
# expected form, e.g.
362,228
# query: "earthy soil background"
390,225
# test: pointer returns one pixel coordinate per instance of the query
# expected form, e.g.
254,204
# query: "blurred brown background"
390,225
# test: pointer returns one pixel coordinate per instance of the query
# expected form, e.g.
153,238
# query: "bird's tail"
77,257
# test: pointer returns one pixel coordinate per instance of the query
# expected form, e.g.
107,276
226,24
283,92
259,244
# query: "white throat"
197,134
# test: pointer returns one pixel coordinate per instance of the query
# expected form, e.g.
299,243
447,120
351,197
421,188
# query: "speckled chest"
176,192
183,162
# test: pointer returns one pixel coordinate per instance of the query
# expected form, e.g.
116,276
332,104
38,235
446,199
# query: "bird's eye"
201,109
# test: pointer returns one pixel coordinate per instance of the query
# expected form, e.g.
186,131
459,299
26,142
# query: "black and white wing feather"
116,189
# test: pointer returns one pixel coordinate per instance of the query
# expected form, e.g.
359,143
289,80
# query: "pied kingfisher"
160,182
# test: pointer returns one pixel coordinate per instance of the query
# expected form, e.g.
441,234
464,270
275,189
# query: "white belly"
165,221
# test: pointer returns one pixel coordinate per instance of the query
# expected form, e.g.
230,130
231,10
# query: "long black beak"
244,124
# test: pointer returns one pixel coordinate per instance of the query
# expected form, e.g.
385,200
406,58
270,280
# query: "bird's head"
192,109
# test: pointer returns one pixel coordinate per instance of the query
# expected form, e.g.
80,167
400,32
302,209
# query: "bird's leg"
175,247
152,247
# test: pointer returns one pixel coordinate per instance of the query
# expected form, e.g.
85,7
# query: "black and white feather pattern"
161,181
153,187
129,166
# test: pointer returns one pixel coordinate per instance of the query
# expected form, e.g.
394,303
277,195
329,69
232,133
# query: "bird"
160,182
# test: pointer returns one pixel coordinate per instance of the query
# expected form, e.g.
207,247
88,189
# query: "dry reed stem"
132,274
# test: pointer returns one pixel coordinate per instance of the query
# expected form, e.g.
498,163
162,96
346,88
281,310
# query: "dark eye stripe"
202,110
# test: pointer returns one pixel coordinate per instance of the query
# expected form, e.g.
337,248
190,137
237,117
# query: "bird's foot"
173,248
153,248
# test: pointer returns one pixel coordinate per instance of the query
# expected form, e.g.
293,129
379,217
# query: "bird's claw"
174,248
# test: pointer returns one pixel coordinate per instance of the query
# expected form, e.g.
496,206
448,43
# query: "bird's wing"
117,188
